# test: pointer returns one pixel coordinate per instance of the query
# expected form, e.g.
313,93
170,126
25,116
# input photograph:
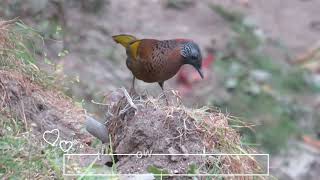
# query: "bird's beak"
200,72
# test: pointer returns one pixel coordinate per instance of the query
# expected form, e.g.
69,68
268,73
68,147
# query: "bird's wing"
124,39
133,48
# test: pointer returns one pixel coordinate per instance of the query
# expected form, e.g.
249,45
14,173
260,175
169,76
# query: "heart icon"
51,137
65,146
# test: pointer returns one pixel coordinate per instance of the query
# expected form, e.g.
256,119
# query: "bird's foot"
165,98
129,99
132,91
167,102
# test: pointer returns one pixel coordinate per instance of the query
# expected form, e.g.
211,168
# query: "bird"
186,78
155,61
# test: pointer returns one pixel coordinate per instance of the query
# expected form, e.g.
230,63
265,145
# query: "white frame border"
172,175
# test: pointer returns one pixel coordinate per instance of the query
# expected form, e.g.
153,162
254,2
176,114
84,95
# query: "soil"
41,109
154,127
158,129
288,21
92,54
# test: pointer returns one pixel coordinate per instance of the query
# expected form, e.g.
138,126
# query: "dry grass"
28,107
21,96
24,96
21,81
18,44
208,123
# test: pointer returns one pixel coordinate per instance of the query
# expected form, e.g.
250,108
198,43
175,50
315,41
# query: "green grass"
158,173
276,119
275,113
24,49
21,156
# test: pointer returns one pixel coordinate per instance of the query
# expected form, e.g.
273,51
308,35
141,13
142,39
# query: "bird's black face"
190,51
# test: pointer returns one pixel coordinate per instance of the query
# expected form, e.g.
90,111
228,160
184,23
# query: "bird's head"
191,54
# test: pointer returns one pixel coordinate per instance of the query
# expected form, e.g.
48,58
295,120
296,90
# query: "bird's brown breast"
157,61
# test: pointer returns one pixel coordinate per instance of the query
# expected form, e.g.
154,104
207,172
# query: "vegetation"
268,100
264,91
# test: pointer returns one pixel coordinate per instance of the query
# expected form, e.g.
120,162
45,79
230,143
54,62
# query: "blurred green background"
266,69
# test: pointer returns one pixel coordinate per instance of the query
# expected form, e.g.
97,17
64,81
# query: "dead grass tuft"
18,46
137,123
36,106
159,128
28,108
22,87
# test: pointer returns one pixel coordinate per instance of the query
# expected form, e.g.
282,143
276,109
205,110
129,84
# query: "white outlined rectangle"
190,175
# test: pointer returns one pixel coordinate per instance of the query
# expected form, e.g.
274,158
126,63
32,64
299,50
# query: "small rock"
211,159
97,129
260,34
231,83
316,80
304,165
173,151
253,89
34,125
250,21
260,76
235,69
184,150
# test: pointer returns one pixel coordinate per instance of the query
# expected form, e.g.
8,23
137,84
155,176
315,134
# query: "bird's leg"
165,96
129,99
132,90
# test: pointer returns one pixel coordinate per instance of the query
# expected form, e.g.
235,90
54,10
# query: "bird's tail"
124,39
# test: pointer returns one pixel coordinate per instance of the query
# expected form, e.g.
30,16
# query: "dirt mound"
142,124
134,124
42,109
23,91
